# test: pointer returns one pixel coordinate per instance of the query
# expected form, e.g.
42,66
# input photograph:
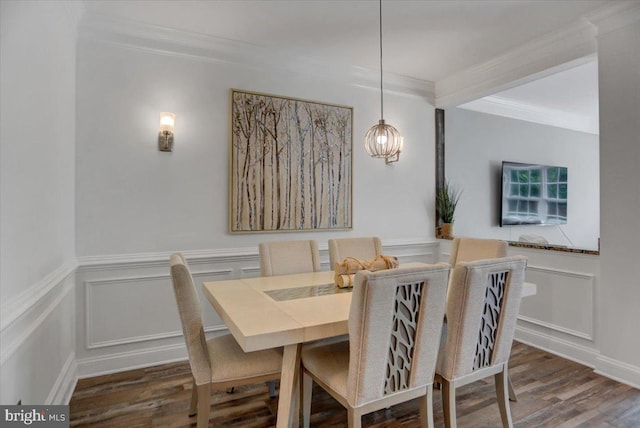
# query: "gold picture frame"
290,164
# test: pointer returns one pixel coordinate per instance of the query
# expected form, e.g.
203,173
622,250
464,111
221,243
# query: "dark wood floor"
552,392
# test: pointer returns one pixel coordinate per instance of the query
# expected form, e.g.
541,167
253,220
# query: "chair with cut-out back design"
395,322
482,306
472,249
217,363
360,248
288,257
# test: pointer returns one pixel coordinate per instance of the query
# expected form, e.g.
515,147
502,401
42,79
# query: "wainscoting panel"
126,310
564,301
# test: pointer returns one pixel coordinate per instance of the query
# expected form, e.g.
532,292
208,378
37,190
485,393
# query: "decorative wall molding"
590,280
546,55
556,327
618,371
167,41
107,348
65,383
130,360
134,280
585,355
15,307
563,272
57,288
617,15
531,113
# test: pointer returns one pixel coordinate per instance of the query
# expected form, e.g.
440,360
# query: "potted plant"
446,201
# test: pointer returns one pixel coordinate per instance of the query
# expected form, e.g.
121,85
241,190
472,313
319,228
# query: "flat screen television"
533,194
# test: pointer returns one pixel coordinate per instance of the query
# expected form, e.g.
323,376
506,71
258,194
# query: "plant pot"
447,230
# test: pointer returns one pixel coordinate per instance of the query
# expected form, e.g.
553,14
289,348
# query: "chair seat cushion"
230,362
332,361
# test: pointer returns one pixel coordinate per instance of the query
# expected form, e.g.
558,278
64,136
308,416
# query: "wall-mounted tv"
533,194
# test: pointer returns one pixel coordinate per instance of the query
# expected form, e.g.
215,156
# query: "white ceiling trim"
618,15
169,41
509,108
563,49
524,64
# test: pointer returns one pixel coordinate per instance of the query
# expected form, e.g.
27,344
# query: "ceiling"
426,40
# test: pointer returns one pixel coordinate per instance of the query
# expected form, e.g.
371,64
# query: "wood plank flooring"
552,392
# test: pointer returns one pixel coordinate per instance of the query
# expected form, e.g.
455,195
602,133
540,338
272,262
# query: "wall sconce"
396,157
165,136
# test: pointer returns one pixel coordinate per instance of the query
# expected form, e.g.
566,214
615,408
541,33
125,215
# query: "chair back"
191,319
482,307
287,257
471,249
395,320
360,248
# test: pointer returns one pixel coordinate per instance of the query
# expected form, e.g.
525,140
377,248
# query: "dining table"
286,311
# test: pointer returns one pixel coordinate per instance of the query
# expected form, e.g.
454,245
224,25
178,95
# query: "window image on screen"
533,194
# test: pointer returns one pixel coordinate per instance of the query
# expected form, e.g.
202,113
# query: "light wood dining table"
287,311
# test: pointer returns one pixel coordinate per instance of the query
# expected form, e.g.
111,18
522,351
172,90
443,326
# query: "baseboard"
65,383
123,361
563,348
618,371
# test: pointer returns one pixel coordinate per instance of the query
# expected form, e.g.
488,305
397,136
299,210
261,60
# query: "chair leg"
502,380
449,404
426,409
512,392
307,390
194,400
204,405
354,419
272,388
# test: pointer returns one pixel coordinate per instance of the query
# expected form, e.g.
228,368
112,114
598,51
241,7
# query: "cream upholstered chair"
471,249
482,307
217,363
287,257
395,322
284,258
360,248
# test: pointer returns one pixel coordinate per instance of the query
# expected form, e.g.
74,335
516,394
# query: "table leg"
289,387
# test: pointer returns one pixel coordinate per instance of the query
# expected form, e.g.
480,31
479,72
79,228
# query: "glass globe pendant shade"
382,140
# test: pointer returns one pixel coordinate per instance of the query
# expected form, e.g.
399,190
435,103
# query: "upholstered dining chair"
360,248
395,320
288,257
471,249
482,306
217,363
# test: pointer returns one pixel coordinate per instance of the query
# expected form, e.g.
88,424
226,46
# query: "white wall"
131,198
134,204
37,83
475,146
619,69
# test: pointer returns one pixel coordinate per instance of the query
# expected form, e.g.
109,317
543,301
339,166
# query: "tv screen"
533,194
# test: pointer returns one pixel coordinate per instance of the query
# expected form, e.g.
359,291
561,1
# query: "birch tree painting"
290,164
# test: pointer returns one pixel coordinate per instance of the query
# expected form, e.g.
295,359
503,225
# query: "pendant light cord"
381,96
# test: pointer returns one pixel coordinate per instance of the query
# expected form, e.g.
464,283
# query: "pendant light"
383,140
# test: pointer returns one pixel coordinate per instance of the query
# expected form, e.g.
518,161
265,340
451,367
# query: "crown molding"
549,54
168,41
615,16
531,113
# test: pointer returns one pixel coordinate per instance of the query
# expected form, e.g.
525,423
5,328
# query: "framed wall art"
290,164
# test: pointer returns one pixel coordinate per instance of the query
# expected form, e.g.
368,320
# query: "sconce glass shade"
382,140
167,121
